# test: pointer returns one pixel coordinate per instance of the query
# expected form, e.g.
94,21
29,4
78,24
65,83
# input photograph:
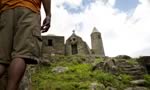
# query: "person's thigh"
6,35
27,38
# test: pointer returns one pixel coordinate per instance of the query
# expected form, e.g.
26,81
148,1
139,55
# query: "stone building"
53,45
74,45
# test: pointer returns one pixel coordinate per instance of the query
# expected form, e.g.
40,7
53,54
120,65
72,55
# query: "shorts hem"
28,59
4,62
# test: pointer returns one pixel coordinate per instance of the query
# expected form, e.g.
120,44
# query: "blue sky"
78,8
126,5
122,5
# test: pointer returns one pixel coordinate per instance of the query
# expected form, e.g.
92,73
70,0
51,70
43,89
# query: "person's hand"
46,24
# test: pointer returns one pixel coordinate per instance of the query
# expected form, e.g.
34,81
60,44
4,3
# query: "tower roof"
95,30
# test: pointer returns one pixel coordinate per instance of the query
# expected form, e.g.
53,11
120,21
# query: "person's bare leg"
15,73
2,70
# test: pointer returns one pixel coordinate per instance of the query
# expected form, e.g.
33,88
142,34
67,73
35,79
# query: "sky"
124,24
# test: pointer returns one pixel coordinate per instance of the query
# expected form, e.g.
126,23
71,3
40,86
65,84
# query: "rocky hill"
87,73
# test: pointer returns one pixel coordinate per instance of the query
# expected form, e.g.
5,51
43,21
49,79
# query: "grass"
79,76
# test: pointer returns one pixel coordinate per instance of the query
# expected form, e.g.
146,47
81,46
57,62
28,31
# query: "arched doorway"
74,49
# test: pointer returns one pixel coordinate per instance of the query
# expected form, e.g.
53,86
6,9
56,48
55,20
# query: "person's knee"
2,69
17,65
18,59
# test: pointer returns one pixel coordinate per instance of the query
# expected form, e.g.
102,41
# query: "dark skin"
17,66
46,22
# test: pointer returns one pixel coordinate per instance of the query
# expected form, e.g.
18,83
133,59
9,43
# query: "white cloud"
122,33
74,2
111,2
71,2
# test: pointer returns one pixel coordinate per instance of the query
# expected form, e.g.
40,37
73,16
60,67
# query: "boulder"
97,86
138,82
136,88
59,69
123,57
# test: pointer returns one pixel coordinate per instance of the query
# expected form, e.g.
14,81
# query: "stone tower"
97,43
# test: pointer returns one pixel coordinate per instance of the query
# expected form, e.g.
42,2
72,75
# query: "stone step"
125,66
121,63
132,69
133,72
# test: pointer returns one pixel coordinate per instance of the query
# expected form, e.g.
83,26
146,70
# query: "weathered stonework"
75,45
97,44
53,45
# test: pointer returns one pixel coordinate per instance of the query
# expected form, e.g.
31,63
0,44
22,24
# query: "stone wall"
53,45
75,45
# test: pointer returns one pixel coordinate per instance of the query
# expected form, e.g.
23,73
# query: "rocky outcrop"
132,68
122,66
145,61
123,57
136,88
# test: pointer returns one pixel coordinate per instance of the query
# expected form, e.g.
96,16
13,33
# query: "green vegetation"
132,62
79,75
147,78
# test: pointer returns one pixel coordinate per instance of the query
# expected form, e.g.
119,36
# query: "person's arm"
46,22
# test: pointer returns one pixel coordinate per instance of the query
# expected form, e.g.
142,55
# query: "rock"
111,88
145,61
59,69
123,57
121,66
45,62
136,88
110,66
129,88
96,86
138,82
140,88
98,66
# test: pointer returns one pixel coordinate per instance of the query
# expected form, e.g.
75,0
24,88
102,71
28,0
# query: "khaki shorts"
20,35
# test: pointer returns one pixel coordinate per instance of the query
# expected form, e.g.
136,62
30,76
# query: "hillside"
89,73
